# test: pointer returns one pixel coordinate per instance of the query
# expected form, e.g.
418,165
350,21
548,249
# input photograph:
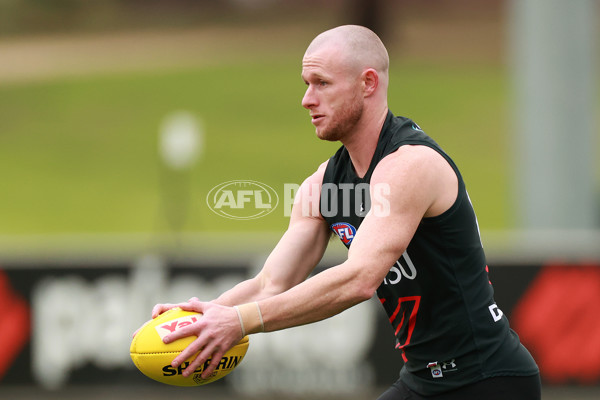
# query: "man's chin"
327,136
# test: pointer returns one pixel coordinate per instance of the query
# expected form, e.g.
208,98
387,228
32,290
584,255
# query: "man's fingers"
190,330
161,308
193,305
199,360
188,352
214,362
213,355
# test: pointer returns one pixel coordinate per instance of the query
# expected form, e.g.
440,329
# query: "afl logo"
345,231
242,199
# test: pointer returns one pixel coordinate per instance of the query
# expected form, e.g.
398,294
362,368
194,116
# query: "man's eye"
322,83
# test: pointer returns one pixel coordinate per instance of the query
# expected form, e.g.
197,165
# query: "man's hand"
217,331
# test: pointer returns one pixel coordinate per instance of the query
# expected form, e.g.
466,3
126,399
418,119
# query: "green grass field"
80,154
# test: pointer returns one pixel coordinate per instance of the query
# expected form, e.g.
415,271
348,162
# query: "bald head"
358,47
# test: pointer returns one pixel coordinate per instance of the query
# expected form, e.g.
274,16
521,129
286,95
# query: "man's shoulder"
410,155
423,173
398,122
414,162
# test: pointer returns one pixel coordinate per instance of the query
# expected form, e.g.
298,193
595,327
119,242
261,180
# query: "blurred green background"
85,86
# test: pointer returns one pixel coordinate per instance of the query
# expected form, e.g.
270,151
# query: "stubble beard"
344,123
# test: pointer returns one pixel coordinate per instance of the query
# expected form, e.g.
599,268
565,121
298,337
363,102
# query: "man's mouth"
316,117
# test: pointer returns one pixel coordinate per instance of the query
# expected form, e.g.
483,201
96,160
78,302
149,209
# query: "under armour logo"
449,365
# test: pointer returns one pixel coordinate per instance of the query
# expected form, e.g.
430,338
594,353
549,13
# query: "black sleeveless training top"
437,296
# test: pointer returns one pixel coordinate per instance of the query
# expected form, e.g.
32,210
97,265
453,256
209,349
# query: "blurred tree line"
19,17
27,17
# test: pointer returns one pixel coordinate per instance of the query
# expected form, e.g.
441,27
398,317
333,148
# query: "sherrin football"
153,357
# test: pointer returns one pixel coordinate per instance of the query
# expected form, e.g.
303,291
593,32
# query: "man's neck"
361,146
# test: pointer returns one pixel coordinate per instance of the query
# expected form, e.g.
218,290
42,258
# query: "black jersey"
437,295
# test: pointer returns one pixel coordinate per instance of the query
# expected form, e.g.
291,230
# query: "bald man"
399,204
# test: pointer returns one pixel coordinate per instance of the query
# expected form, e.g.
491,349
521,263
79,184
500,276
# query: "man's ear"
370,79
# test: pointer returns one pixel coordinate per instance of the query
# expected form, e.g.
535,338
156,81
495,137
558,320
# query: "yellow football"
153,357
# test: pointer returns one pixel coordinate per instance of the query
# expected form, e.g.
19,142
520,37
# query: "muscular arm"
421,184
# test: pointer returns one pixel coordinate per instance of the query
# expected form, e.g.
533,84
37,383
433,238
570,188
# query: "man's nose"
309,100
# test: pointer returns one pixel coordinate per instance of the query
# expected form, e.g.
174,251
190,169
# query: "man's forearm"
322,296
244,292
